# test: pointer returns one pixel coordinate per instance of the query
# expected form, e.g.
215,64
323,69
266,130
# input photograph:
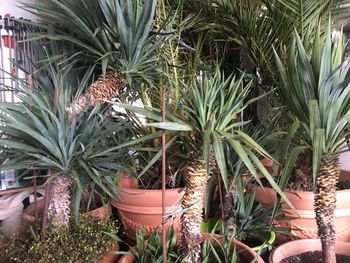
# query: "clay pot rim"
141,191
293,192
146,210
305,245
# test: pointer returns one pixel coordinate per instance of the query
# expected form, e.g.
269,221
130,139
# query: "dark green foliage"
252,220
40,135
111,35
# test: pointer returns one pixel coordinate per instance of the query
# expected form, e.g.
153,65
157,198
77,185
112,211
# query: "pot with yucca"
214,248
39,135
316,92
139,200
207,124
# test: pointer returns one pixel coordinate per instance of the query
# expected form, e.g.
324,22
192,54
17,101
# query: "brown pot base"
139,208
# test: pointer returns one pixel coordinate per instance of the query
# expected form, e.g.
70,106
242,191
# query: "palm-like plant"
115,36
317,93
211,115
38,134
258,25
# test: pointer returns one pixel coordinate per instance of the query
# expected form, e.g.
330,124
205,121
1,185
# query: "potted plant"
316,92
214,248
117,41
212,106
39,135
307,250
126,52
252,222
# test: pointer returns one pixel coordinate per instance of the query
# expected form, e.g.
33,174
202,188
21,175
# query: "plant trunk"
60,202
325,201
192,204
106,87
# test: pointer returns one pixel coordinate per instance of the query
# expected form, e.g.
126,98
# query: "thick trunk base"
192,204
60,202
325,202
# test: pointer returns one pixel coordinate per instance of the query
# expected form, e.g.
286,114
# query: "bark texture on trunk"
325,201
192,204
106,87
60,202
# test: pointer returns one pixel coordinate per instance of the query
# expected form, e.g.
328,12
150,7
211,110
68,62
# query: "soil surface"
313,257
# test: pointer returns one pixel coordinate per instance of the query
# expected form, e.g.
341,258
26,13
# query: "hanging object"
9,41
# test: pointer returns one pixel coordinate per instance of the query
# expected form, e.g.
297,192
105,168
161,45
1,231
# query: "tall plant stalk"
192,204
59,210
325,203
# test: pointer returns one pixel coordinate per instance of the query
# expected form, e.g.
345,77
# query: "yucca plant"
115,36
37,134
258,25
316,91
211,118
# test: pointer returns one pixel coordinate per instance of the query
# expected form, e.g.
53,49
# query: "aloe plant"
316,91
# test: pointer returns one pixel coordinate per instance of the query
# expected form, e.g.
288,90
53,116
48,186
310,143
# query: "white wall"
345,161
12,7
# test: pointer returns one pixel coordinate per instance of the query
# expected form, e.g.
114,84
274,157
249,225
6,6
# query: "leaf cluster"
114,35
210,120
252,220
315,88
37,134
261,24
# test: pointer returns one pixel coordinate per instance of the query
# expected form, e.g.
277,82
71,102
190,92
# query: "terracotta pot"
127,180
304,226
245,252
110,257
304,245
143,208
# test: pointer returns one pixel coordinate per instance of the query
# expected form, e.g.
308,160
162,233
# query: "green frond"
37,134
114,35
260,25
316,92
